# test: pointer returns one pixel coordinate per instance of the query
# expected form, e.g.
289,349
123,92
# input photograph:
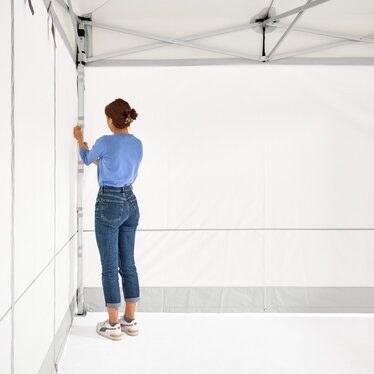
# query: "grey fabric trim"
31,7
132,299
54,191
261,229
61,30
235,61
50,364
245,299
12,185
113,305
321,299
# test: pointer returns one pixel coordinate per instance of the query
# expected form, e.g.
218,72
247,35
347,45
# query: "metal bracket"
263,27
81,48
83,312
82,39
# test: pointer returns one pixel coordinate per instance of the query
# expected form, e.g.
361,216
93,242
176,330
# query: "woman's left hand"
78,133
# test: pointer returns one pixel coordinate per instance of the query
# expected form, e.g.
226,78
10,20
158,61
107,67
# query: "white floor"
217,343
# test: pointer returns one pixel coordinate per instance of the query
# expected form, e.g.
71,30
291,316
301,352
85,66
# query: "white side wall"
44,259
5,188
233,153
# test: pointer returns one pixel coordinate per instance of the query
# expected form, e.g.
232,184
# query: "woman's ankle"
128,319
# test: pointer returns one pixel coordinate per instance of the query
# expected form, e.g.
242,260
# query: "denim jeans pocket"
132,200
110,210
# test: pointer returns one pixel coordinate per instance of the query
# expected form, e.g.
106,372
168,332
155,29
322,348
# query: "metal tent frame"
82,57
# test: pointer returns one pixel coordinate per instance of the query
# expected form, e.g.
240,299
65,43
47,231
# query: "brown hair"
121,113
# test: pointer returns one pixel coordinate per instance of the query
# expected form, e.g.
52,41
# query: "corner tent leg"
80,299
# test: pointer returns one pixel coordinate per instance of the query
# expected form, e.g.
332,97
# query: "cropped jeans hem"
132,299
113,305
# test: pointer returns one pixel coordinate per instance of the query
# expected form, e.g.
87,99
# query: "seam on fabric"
42,271
54,193
12,246
256,229
100,6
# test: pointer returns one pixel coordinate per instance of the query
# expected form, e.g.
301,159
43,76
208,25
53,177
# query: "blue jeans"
116,219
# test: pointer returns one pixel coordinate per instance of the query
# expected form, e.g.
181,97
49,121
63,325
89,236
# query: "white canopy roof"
179,32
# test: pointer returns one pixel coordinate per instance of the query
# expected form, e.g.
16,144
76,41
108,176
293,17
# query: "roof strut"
74,22
295,10
164,44
185,41
335,35
167,40
287,31
320,48
57,25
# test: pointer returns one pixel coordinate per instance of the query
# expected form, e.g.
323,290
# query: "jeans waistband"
119,189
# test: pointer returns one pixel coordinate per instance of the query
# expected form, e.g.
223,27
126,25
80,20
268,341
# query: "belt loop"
102,189
121,189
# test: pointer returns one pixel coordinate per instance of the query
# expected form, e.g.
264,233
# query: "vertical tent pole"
81,61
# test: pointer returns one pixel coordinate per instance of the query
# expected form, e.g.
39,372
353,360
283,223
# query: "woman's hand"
77,132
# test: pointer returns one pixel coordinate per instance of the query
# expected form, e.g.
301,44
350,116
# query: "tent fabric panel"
284,259
57,346
66,280
5,154
66,146
34,105
35,245
250,171
330,258
66,23
279,197
37,303
189,259
318,159
5,338
246,258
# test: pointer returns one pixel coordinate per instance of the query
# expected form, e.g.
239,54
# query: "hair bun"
121,113
133,114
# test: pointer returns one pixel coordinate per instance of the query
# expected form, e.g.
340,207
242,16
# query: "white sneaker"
111,332
130,328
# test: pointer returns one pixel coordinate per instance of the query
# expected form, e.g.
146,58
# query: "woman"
118,157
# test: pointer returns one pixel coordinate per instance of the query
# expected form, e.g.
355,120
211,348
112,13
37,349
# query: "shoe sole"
131,333
111,336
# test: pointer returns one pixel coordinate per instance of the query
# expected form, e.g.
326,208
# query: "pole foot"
84,313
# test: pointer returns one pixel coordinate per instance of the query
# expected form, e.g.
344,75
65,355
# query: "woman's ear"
109,121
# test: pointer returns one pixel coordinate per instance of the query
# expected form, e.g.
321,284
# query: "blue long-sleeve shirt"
119,158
